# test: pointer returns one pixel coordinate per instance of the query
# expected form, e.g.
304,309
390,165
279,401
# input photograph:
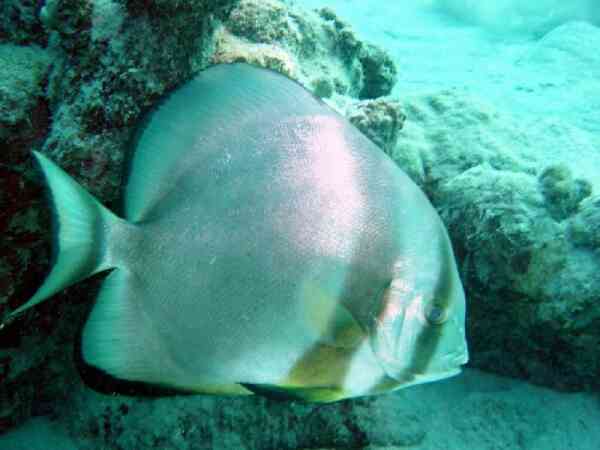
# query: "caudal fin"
80,224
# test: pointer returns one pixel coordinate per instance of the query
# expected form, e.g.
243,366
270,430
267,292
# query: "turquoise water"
538,66
502,130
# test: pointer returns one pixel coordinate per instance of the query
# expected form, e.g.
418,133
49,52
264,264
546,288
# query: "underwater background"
492,108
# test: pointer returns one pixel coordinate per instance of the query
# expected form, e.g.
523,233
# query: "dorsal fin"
190,122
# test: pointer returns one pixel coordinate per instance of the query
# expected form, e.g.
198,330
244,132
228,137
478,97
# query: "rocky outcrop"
314,47
524,223
380,120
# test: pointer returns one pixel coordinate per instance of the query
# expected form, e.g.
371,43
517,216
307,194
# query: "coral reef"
109,61
585,225
380,120
23,112
563,194
314,47
19,22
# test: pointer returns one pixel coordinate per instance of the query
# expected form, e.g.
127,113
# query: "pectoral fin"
329,319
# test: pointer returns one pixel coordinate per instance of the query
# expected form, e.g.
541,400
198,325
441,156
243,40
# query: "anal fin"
120,341
118,338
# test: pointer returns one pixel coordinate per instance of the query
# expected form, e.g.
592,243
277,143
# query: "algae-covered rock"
450,132
379,72
563,193
23,73
24,121
19,22
520,215
314,47
380,120
585,226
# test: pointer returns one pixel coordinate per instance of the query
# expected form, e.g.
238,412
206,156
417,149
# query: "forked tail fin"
80,234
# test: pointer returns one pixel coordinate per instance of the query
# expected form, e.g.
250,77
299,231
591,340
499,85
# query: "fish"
265,246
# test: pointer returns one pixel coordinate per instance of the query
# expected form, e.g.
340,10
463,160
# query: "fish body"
266,246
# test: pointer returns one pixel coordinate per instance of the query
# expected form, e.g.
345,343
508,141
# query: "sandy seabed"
474,410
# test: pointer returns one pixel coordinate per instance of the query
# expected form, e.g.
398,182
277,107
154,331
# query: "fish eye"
435,313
